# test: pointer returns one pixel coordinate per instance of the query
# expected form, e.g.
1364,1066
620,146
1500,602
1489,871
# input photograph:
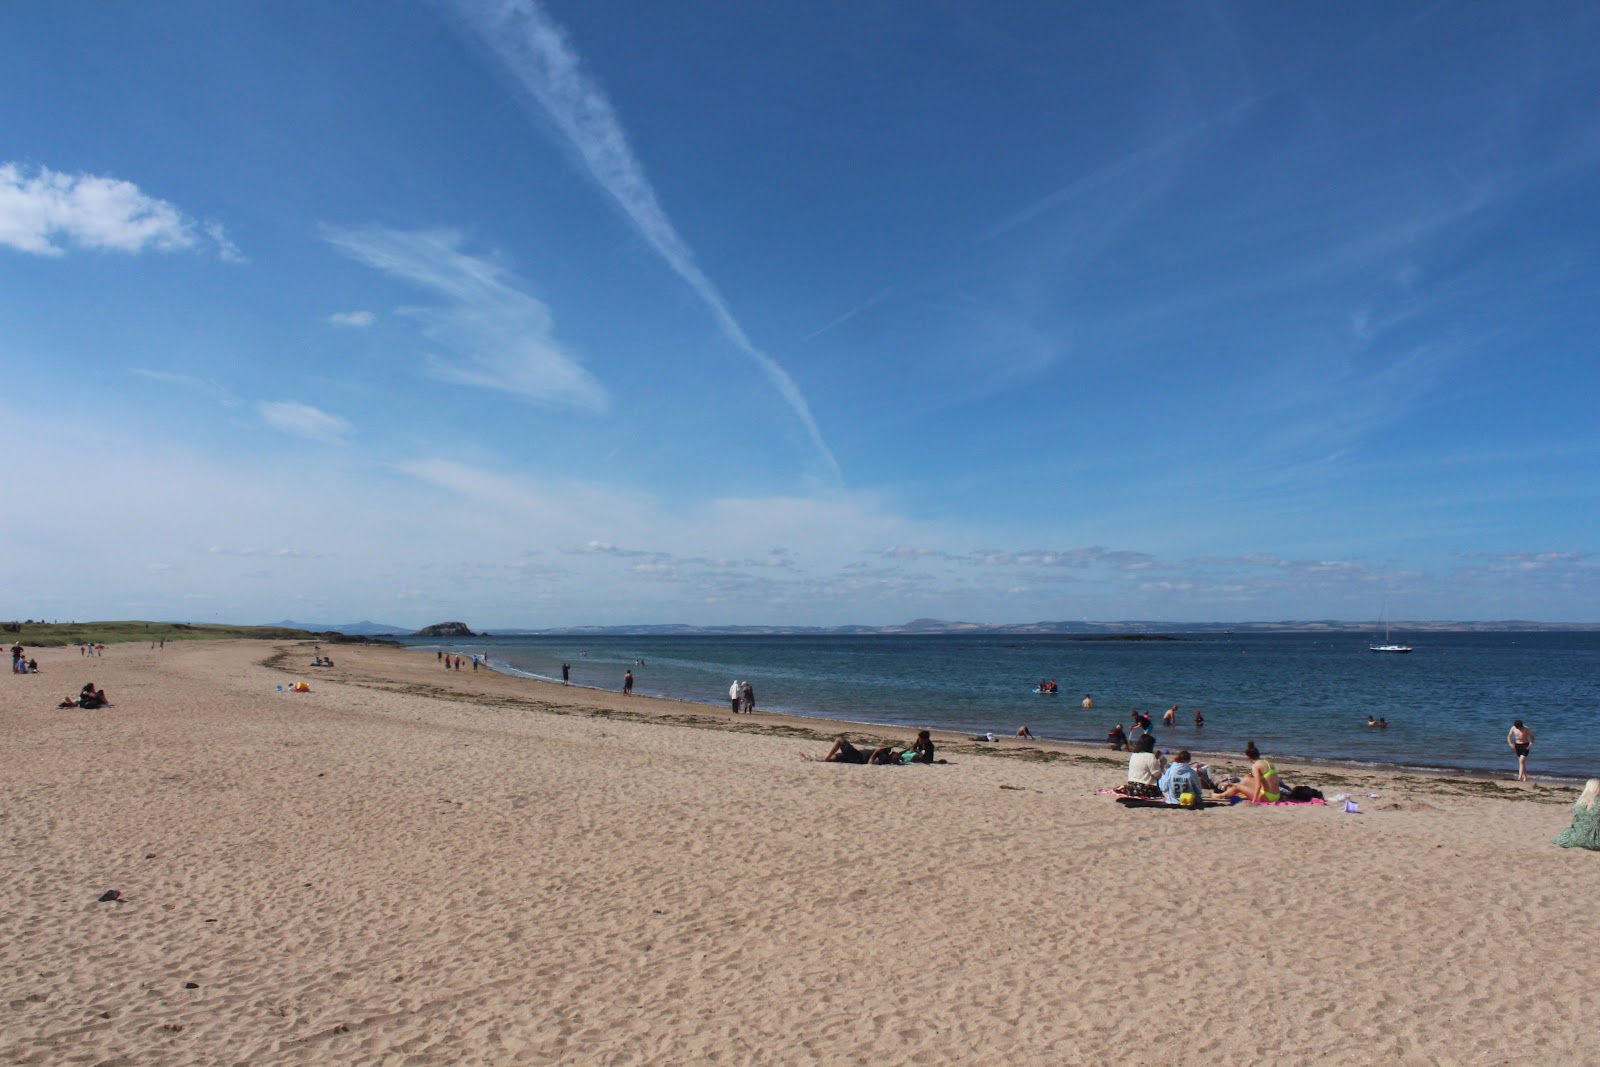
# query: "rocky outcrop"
445,629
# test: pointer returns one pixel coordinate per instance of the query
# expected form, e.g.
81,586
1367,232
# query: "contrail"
535,53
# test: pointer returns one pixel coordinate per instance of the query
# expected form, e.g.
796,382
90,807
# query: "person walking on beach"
627,683
1520,738
735,697
748,692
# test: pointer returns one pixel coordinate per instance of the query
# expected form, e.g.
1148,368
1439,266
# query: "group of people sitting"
88,697
920,751
24,666
322,661
1183,782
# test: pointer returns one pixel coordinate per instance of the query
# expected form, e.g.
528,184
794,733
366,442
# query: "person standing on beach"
748,692
566,673
627,683
735,696
1520,738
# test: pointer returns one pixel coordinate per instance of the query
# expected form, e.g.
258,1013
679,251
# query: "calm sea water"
1449,703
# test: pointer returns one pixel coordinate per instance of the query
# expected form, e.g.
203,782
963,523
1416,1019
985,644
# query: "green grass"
49,634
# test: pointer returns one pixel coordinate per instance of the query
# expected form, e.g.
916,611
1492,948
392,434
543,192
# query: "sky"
546,314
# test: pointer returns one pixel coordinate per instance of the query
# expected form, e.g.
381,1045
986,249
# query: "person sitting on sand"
1144,770
1023,731
1179,779
844,752
90,697
1116,738
1261,786
1585,829
921,750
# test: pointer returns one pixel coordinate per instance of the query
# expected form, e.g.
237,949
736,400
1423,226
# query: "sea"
1448,704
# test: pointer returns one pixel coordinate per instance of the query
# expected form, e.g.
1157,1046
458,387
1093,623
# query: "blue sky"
547,314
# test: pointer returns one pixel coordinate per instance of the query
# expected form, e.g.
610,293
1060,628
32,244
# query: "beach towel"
1141,802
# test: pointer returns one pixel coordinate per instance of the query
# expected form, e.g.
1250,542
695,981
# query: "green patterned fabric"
1584,831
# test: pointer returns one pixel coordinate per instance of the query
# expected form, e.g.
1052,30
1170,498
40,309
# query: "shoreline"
827,727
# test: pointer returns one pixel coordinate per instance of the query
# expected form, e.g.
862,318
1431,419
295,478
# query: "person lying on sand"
844,752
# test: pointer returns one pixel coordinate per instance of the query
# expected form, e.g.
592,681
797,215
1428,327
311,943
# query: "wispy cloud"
303,420
502,337
264,553
189,381
43,211
357,320
537,56
861,308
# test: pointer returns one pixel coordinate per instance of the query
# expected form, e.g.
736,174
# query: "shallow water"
1449,704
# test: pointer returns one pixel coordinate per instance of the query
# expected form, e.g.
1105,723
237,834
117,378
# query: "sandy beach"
409,866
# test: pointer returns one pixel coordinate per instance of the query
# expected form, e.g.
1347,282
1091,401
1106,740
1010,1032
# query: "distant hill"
364,628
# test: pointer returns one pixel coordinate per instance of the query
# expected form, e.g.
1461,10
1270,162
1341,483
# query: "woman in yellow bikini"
1261,786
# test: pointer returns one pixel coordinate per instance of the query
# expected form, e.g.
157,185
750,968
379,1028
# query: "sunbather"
1144,770
921,750
90,697
844,752
1261,786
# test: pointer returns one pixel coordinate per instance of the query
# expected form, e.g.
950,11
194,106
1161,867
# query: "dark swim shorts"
1522,750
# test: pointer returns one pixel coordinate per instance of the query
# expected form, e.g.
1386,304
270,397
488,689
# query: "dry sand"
409,867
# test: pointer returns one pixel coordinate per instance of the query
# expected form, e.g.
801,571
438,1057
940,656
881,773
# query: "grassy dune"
47,634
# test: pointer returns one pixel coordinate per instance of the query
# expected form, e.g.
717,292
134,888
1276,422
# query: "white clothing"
1144,767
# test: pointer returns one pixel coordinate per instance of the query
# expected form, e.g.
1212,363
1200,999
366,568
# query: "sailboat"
1387,646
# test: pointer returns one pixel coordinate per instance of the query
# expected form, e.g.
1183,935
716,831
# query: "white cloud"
536,54
353,319
45,210
303,420
502,337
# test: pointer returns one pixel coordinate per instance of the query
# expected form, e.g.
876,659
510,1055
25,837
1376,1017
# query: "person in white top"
735,693
1144,769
